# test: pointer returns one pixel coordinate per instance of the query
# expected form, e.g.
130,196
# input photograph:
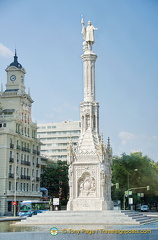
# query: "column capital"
88,57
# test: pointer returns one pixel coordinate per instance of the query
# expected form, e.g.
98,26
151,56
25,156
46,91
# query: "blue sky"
47,36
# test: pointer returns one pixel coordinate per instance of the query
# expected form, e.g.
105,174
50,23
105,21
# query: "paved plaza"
85,232
81,231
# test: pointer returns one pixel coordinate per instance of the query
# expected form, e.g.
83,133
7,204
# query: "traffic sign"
55,201
14,203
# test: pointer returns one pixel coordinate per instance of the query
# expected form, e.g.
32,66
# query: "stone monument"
90,162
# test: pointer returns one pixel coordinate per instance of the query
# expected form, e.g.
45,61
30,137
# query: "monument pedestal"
90,204
82,219
89,181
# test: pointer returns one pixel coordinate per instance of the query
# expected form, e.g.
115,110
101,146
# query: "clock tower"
15,76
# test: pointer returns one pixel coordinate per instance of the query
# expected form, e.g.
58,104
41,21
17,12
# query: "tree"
55,179
134,171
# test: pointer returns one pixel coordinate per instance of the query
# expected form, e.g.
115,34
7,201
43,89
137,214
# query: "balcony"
24,149
18,147
23,177
34,151
37,165
24,193
28,150
11,145
27,163
11,175
11,159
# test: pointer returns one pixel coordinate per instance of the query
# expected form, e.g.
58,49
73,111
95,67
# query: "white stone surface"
78,218
90,162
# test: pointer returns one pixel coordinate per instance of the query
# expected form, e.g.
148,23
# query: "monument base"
85,219
93,204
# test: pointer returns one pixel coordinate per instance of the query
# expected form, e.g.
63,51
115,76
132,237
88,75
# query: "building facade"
19,147
56,138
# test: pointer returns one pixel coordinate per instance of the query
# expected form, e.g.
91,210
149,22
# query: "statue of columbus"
88,34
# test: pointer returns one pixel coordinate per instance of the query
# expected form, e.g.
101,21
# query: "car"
144,208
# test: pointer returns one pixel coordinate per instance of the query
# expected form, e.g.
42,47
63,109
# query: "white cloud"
71,107
147,144
5,52
126,137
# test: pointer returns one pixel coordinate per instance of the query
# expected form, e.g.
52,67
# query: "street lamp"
14,203
128,174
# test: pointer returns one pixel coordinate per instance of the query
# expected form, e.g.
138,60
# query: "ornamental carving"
86,185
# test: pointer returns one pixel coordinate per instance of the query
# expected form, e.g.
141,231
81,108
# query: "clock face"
13,78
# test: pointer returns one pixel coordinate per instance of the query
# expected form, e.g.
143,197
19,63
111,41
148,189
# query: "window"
36,187
10,186
33,134
32,187
10,168
21,187
9,206
16,186
17,170
17,157
17,144
17,127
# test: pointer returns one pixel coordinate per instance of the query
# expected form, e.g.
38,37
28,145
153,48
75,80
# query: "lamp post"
14,203
128,174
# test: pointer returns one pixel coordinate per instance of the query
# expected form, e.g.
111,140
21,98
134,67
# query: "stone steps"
107,217
139,217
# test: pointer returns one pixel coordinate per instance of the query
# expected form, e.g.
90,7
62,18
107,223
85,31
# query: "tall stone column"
90,162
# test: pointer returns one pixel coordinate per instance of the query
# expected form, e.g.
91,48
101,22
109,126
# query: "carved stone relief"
86,185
